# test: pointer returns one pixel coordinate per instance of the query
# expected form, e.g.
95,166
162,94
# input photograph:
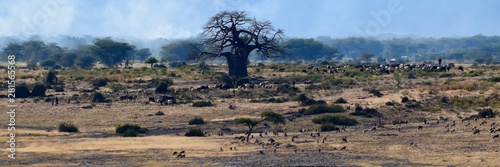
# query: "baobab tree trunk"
237,66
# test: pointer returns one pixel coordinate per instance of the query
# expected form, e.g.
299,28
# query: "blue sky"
299,18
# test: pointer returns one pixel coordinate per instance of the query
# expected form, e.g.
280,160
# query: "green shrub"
447,75
323,108
129,130
98,82
196,121
162,88
130,133
115,87
59,88
203,103
335,119
159,113
340,101
270,100
99,98
48,99
444,99
328,127
67,127
376,92
287,89
486,112
404,99
358,108
38,90
51,76
22,91
305,101
47,63
244,94
494,79
195,132
367,112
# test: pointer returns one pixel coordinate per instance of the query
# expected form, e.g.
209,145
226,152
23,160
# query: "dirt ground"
40,144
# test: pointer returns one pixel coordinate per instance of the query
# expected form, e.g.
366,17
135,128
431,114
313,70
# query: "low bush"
404,99
328,127
447,75
98,82
287,89
305,101
162,88
323,108
196,121
99,98
270,100
159,113
22,91
195,132
335,120
375,92
130,130
203,103
340,101
486,112
367,112
48,99
115,87
38,90
494,79
47,63
67,127
59,88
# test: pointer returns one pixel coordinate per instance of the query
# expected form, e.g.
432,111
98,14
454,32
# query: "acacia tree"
142,54
111,53
234,35
270,116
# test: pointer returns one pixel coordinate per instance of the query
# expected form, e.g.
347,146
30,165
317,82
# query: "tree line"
235,37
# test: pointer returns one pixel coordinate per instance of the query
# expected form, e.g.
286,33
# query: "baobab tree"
234,35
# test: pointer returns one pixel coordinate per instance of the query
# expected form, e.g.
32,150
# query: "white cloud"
299,18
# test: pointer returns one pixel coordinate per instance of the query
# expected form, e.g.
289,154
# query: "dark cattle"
222,86
128,97
201,88
496,136
163,99
151,99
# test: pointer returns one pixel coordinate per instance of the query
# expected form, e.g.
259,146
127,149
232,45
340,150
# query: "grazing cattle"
128,97
165,99
151,99
496,136
477,131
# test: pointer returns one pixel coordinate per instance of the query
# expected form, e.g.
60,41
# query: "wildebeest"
128,97
168,100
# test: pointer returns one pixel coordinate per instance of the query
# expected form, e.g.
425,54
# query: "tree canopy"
142,54
111,53
308,49
179,50
234,35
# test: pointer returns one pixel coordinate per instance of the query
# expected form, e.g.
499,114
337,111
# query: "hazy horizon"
174,19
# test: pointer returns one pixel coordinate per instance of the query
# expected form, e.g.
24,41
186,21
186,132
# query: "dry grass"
39,144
